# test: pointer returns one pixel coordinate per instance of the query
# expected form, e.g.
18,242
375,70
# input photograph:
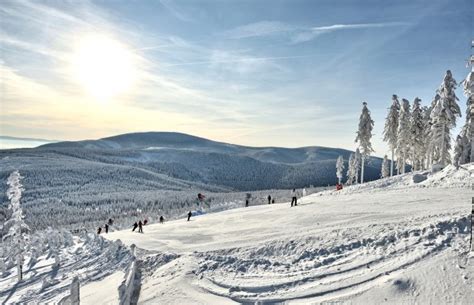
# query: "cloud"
258,29
314,32
176,11
297,34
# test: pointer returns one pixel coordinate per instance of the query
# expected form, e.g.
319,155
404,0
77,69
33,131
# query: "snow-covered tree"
339,168
426,135
417,136
357,160
440,133
443,117
385,170
352,170
469,92
16,225
390,131
404,136
464,149
364,134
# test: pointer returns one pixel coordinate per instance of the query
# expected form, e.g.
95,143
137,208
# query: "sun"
103,66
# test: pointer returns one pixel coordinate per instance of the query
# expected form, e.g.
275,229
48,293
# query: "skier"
201,197
140,226
269,199
135,226
162,220
273,200
111,221
106,228
189,215
294,197
246,202
99,230
145,222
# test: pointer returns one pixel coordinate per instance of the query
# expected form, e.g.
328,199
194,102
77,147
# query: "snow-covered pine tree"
364,134
417,135
440,134
16,225
404,136
464,149
357,160
443,117
426,135
351,170
390,131
431,152
339,168
385,168
469,92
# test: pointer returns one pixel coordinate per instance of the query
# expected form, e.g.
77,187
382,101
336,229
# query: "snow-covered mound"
97,263
387,242
449,177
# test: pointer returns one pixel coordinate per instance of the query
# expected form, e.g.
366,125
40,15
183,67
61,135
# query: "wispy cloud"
314,32
258,29
176,10
297,33
220,57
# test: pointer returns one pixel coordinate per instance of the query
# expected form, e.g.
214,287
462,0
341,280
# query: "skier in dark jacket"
189,215
111,221
99,230
246,202
106,228
294,198
135,226
140,227
162,219
269,199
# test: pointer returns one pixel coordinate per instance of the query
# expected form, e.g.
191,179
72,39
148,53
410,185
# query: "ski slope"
390,241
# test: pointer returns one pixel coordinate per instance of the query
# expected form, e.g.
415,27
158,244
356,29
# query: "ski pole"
472,212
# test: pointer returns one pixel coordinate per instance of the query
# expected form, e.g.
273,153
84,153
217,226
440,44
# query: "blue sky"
280,73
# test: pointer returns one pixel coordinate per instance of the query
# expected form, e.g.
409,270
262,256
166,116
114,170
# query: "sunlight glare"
103,66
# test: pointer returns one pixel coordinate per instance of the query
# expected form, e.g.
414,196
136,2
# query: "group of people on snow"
106,226
270,200
139,225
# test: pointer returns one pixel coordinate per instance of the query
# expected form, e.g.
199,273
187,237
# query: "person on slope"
162,219
189,215
145,222
140,226
294,197
269,199
106,228
135,226
99,230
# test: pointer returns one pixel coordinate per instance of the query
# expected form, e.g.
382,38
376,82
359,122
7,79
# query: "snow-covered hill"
387,242
157,173
391,241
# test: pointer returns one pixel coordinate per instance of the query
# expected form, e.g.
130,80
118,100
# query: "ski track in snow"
334,246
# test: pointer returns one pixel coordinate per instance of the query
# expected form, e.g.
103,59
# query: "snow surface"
97,262
391,241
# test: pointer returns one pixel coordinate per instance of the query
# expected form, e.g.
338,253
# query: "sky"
260,73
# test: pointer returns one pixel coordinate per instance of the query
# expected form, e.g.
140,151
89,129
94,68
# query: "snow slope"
391,241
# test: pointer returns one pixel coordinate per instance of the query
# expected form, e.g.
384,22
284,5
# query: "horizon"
5,145
256,74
